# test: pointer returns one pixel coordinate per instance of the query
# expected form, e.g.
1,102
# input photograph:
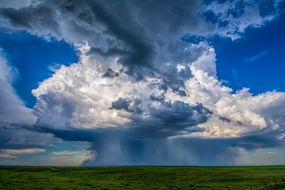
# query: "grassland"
146,178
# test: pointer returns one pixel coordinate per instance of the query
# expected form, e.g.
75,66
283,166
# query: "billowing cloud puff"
233,114
98,93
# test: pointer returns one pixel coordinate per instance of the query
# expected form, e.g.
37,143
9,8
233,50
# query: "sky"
93,82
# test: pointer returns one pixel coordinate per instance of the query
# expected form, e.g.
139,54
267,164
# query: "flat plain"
145,178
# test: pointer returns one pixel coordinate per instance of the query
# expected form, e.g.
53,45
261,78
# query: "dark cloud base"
122,147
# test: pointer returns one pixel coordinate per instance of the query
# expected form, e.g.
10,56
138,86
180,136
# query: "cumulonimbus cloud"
82,96
140,92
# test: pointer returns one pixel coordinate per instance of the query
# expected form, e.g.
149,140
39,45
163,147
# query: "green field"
147,178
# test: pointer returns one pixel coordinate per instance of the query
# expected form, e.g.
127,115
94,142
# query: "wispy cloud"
4,156
255,57
22,151
69,158
12,153
70,153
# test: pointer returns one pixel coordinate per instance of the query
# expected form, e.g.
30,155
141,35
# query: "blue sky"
85,84
265,72
32,57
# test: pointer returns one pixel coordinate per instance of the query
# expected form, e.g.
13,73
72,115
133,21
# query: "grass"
145,178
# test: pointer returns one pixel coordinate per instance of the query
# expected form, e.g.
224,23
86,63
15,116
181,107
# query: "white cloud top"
81,96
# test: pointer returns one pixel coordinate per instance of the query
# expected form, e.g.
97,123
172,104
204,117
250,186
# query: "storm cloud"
143,94
141,32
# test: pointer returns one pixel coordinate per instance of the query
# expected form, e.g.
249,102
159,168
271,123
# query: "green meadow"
145,178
